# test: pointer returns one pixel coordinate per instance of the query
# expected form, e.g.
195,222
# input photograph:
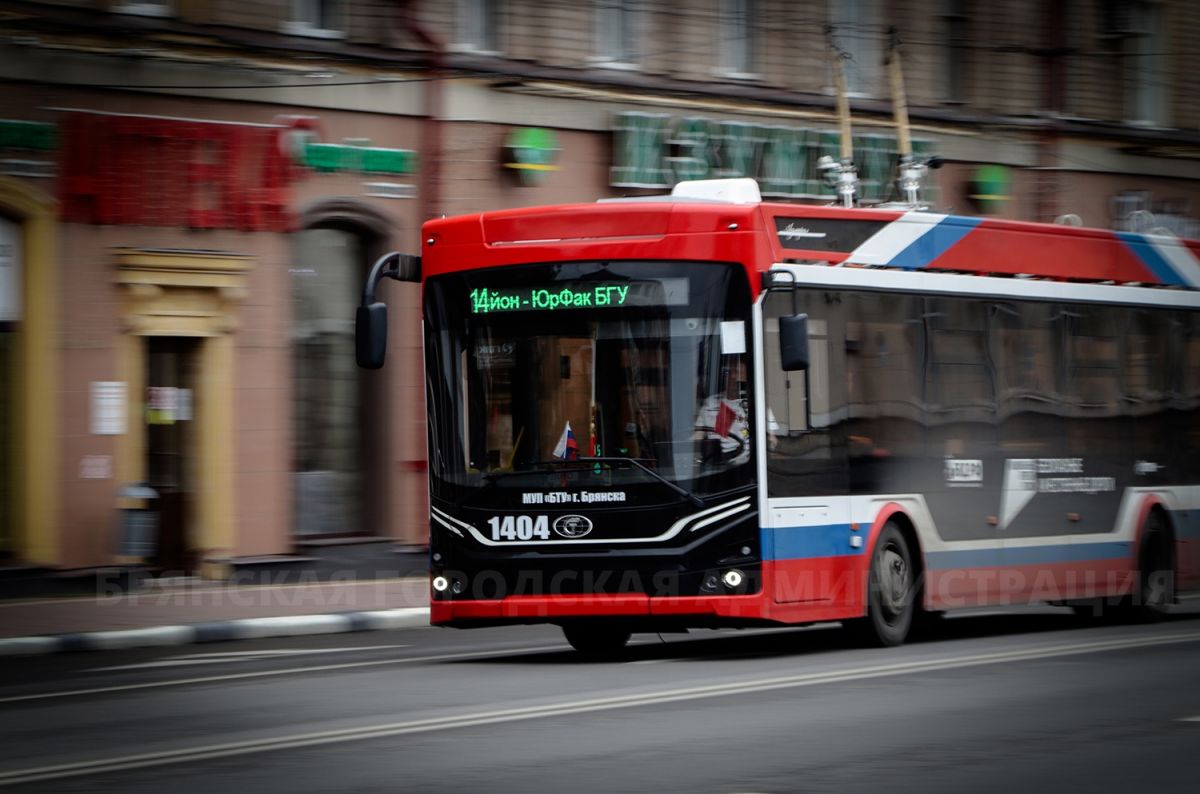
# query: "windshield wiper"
543,466
637,464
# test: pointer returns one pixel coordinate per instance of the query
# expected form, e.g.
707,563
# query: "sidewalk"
185,612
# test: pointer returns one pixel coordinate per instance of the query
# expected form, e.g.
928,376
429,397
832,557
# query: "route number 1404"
519,527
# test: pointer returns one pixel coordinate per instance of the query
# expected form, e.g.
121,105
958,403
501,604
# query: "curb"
222,631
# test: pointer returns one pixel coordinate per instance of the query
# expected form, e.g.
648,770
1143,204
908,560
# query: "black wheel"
596,640
1155,588
1154,582
891,591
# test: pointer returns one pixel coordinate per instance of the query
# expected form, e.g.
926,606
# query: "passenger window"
808,408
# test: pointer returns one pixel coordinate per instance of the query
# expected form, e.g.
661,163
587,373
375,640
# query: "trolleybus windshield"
535,370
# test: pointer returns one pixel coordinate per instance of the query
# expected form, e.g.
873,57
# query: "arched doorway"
338,429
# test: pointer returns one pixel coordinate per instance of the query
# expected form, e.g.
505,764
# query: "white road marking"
444,657
316,738
286,651
1191,719
654,661
241,591
225,657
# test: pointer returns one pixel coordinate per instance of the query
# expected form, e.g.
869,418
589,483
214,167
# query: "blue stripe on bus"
1152,259
801,543
935,242
1027,555
833,540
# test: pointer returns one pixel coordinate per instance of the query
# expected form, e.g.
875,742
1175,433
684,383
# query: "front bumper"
634,609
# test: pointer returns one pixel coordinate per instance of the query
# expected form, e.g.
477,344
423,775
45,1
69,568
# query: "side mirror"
370,335
793,342
370,321
406,268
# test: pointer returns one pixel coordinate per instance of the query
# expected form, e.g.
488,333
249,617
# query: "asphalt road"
1031,701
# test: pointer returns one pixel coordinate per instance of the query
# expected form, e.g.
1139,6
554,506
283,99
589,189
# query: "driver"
723,416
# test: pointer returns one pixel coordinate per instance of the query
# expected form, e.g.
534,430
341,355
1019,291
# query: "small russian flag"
726,416
567,447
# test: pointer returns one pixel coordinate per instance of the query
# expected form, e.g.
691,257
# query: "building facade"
191,192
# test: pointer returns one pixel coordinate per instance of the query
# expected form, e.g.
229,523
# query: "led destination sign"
579,295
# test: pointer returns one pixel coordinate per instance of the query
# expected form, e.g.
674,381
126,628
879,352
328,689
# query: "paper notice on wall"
183,405
95,467
108,407
10,271
161,402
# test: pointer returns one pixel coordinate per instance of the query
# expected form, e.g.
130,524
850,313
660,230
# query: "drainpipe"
1053,81
429,179
415,511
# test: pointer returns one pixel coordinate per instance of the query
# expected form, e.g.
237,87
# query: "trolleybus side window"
1147,350
1094,358
809,406
884,347
1027,349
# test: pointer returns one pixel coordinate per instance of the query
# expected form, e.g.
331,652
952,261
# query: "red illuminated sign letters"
173,172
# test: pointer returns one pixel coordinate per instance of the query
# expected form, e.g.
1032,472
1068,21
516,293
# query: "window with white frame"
736,34
859,34
619,26
478,26
319,18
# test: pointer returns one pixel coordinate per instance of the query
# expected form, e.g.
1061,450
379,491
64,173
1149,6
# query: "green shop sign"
531,152
358,157
990,187
33,135
656,151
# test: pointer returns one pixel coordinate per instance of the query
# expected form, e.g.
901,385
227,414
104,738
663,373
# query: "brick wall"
681,39
258,14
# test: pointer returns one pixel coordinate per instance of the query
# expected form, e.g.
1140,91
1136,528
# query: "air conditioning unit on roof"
736,191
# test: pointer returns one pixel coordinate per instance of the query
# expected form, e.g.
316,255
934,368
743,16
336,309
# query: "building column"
36,439
214,506
130,465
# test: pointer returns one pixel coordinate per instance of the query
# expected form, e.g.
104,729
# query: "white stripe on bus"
881,280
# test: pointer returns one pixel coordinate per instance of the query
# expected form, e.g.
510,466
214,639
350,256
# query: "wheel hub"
893,582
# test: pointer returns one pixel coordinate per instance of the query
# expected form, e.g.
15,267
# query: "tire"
597,640
891,592
1155,590
1154,583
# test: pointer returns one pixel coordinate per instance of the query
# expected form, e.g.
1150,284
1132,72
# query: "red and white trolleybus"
705,410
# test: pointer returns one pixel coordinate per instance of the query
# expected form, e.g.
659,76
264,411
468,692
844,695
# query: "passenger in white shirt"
724,418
